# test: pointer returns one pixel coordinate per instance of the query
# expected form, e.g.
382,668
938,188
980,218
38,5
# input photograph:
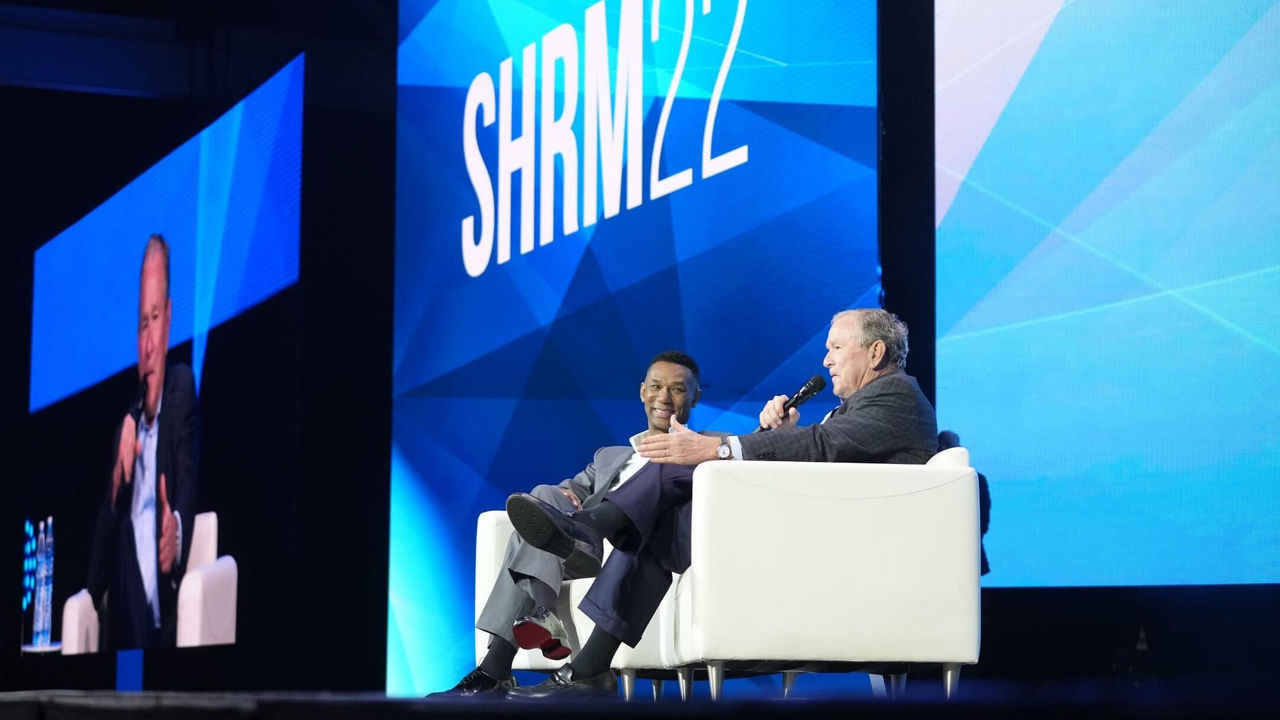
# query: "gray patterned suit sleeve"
595,479
583,483
888,420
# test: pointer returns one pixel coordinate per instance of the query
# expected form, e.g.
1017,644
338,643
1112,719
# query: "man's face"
847,360
153,329
668,390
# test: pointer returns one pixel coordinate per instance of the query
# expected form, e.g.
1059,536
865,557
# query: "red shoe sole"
532,636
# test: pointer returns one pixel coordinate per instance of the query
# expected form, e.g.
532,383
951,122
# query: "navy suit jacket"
113,560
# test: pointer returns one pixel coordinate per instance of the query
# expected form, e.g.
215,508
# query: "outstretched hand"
126,455
681,446
168,531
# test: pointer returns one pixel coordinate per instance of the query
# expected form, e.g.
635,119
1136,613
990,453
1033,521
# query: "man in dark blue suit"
139,547
883,417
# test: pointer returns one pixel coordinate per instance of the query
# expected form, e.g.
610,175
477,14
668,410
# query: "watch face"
723,451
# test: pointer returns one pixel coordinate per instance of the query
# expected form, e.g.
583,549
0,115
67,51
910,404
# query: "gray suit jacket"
887,421
594,481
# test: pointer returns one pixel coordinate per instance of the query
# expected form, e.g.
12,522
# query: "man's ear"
878,353
696,394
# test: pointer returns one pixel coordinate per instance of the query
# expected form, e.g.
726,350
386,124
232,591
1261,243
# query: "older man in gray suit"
521,607
883,417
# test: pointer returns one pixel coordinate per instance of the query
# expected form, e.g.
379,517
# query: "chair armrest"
832,561
207,604
79,625
493,528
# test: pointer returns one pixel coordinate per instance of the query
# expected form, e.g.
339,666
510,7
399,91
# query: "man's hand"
168,531
772,418
577,504
681,446
126,455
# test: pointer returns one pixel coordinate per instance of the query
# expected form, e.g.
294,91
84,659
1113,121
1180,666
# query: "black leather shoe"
562,685
478,684
542,630
546,528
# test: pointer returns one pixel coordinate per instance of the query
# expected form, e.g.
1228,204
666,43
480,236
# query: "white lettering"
603,132
557,137
516,154
476,252
612,131
737,156
659,186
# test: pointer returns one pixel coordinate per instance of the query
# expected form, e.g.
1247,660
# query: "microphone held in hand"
140,402
806,392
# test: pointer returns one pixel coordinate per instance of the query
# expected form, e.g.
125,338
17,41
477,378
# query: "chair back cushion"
951,457
204,541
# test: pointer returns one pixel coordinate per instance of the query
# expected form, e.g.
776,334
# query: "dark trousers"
630,586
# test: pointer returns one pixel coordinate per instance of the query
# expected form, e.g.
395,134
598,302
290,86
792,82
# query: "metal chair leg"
897,686
877,687
789,682
950,679
628,684
684,676
715,676
657,690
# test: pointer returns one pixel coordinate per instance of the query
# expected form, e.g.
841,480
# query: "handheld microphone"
124,499
140,402
806,392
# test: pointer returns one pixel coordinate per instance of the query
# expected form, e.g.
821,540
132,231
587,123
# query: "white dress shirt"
634,463
143,512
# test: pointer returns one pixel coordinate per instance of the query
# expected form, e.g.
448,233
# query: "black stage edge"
70,705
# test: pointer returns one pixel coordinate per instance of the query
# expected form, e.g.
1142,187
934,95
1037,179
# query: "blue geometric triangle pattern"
730,223
1107,285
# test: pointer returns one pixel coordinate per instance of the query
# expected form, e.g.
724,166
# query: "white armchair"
800,564
493,528
206,598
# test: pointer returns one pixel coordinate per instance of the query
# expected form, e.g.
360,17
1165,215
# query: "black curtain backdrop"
304,377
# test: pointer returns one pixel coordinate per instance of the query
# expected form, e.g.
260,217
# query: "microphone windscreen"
811,388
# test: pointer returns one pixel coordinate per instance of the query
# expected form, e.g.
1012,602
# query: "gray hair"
876,324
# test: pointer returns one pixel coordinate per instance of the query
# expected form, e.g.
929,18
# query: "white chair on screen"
206,598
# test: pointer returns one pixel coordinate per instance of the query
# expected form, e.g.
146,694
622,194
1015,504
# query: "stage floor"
1064,701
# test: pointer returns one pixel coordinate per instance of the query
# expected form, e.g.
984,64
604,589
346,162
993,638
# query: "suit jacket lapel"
617,460
607,471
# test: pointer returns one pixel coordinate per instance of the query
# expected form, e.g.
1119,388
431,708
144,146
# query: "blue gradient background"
228,202
514,378
1108,284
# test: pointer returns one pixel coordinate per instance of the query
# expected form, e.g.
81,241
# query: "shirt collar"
142,418
635,439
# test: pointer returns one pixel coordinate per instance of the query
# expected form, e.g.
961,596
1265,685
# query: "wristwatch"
724,452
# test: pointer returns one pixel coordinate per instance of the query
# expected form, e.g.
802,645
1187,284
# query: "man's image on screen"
139,549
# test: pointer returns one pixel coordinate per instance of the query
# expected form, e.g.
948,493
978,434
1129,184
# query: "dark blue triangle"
848,130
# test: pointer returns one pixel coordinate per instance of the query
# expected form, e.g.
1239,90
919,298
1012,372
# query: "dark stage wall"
317,618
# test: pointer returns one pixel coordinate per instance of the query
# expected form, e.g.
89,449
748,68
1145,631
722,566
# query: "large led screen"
227,205
581,185
1107,281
